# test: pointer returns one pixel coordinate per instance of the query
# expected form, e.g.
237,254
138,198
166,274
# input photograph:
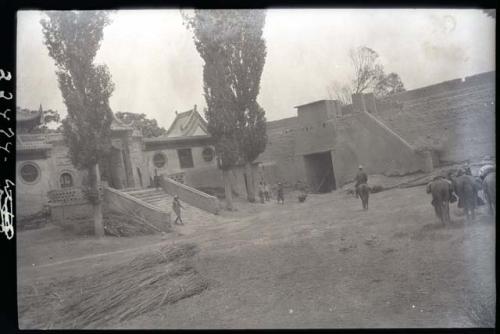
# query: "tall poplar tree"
73,39
247,63
211,29
231,44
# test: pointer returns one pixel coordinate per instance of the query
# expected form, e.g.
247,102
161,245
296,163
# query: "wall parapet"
373,119
123,202
190,195
365,140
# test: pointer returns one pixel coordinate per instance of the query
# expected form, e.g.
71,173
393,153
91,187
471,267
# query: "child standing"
266,192
176,207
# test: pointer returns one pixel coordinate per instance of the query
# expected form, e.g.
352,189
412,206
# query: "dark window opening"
185,158
66,180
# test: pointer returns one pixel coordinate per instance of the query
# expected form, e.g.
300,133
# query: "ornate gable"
189,123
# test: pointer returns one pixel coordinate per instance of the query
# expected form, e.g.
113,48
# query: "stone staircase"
163,202
156,197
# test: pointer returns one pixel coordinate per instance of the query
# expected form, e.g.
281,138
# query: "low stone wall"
67,214
203,177
123,202
190,195
68,206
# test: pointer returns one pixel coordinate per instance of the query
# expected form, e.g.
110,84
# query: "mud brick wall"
68,214
365,140
69,206
203,177
457,117
280,149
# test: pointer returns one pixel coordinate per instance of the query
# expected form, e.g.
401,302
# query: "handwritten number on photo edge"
5,148
5,77
2,95
6,207
5,133
4,114
6,210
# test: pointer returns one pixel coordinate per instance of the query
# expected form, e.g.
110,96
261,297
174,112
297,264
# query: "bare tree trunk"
228,189
250,182
234,183
96,202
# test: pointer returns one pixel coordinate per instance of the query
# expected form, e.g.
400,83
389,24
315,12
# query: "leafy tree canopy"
148,127
231,44
388,85
368,76
73,39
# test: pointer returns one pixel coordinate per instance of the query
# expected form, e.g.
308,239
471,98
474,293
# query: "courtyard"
321,263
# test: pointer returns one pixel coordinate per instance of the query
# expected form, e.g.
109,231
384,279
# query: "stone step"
152,196
143,194
160,202
144,191
126,190
166,203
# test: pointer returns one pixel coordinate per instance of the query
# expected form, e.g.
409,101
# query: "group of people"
265,193
445,189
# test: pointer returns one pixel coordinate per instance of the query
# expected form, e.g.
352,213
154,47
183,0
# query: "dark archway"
319,170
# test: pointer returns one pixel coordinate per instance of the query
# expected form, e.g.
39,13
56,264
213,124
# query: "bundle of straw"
126,291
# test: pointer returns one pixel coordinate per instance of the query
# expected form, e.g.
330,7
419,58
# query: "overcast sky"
157,70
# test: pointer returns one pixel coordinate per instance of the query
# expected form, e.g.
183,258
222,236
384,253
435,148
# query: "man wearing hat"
361,178
467,170
485,170
176,207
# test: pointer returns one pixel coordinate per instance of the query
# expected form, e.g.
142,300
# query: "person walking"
176,207
280,197
361,178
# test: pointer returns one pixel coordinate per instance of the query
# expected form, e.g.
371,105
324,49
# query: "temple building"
43,163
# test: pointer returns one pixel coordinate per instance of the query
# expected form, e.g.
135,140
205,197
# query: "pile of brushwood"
119,224
116,224
116,294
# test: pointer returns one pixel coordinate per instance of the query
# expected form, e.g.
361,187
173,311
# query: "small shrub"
376,189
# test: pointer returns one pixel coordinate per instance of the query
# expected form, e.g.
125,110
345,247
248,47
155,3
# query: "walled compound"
405,133
416,130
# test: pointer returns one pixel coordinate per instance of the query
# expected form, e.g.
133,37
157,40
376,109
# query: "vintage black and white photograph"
255,168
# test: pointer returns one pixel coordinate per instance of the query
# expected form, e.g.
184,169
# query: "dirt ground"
322,263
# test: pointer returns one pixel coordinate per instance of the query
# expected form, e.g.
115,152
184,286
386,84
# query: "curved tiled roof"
185,124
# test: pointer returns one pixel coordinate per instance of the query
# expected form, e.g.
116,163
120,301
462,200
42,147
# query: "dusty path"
324,263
